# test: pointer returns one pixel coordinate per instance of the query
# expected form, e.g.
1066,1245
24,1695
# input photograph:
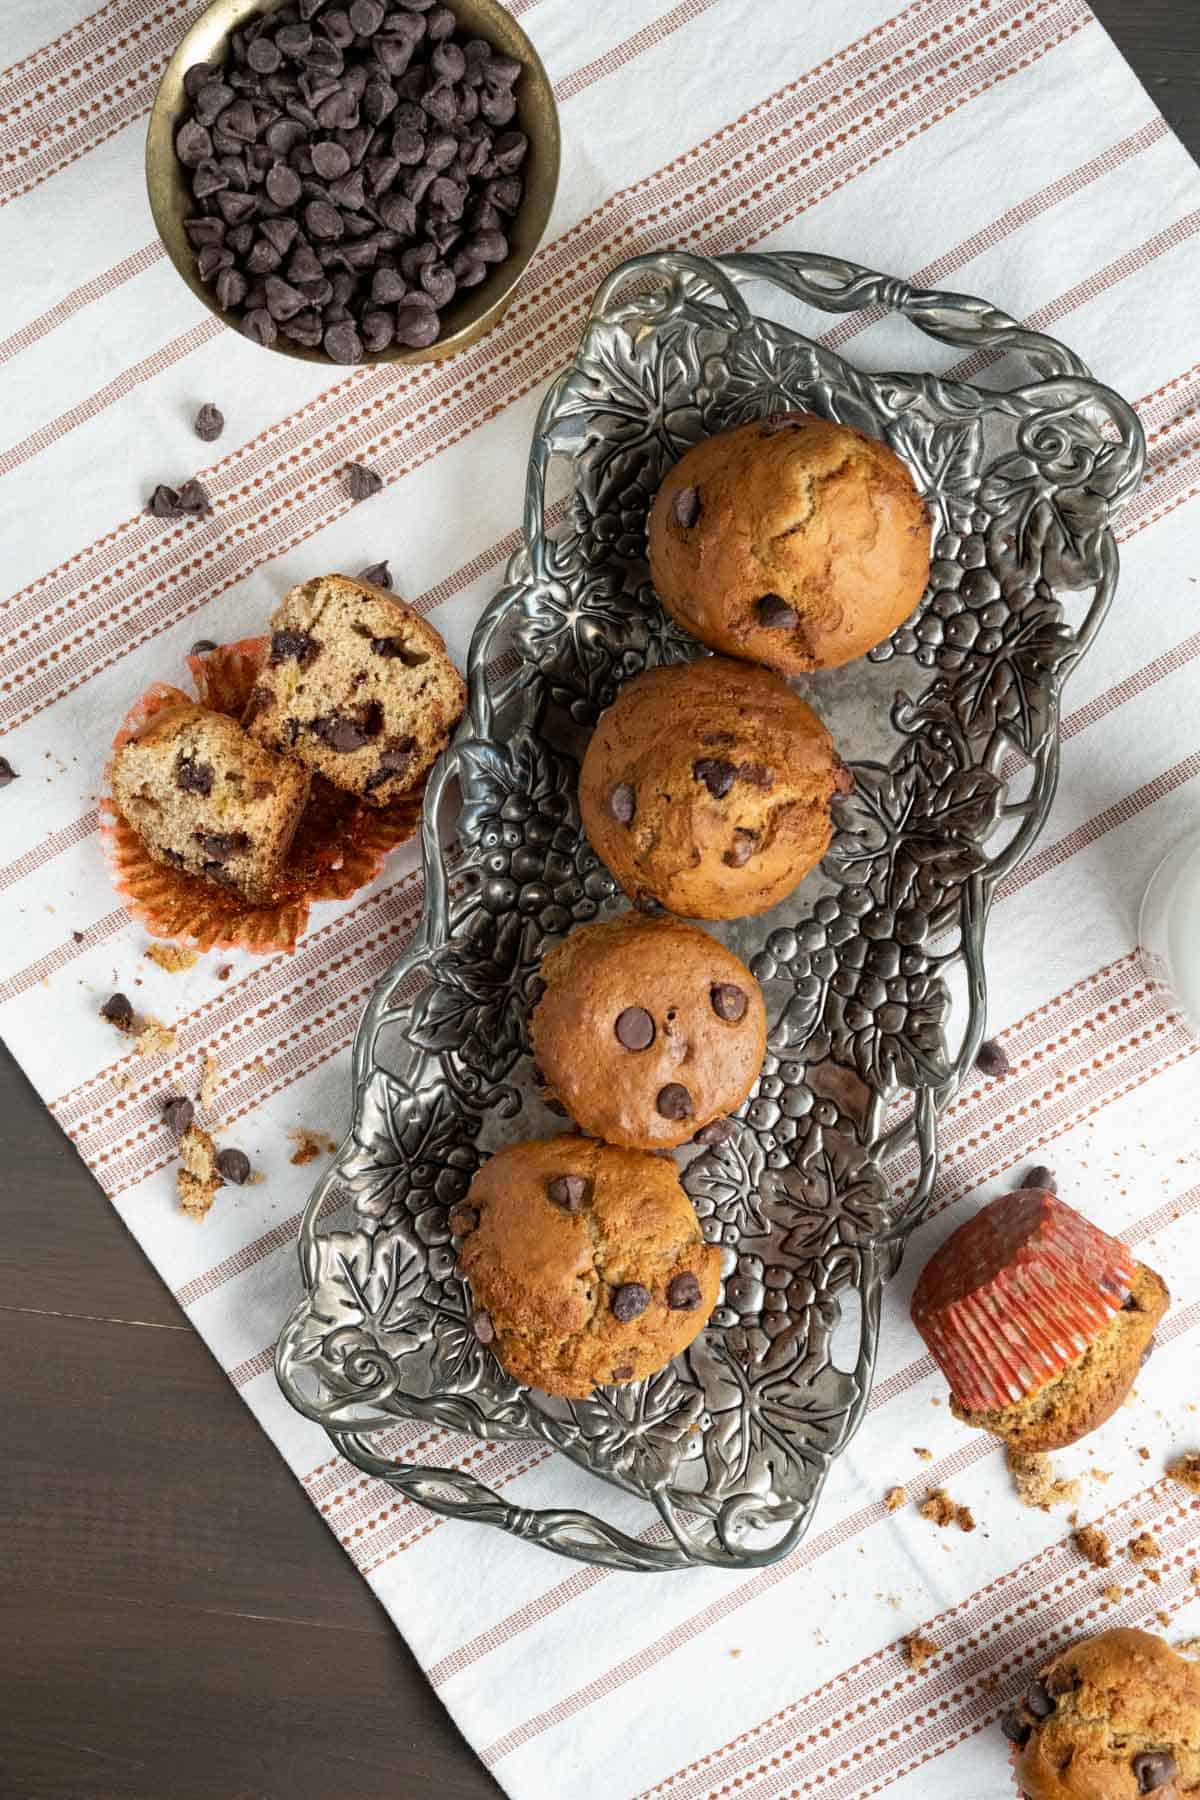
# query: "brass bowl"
468,316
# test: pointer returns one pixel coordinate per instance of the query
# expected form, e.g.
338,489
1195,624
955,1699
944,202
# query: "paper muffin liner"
340,844
1016,1296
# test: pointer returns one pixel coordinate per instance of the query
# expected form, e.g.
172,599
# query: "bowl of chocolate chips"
354,181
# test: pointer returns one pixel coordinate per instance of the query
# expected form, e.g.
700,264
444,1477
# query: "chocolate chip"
1016,1729
375,575
233,1166
775,613
362,482
686,507
757,774
342,343
7,772
164,503
1154,1769
623,1372
259,326
391,763
683,1292
742,849
1038,1700
178,1114
462,1219
1040,1177
991,1059
193,777
569,1191
417,326
481,1325
729,1001
292,646
221,845
209,423
630,1301
717,775
192,144
622,803
634,1028
342,735
715,1132
194,499
674,1101
118,1011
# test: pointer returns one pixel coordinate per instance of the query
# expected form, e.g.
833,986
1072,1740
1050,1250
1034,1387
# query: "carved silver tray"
951,729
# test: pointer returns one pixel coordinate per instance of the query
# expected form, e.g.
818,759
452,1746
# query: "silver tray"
951,728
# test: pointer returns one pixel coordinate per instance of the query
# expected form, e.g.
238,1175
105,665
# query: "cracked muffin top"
791,541
1112,1718
586,1263
707,787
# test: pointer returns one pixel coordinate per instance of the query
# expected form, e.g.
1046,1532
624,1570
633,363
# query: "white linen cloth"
1001,147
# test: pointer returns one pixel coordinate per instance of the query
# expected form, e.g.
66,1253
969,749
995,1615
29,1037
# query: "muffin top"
1112,1718
791,541
707,786
649,1031
585,1261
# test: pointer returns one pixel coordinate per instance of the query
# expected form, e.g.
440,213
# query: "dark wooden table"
173,1613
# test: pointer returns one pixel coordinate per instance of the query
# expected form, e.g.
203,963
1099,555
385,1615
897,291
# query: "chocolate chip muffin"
790,541
206,799
586,1263
1110,1719
649,1031
707,786
358,687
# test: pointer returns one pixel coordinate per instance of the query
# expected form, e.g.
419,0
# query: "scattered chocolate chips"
164,503
481,1325
622,803
568,1191
362,482
741,850
630,1301
775,613
209,423
1039,1700
634,1028
178,1113
118,1011
674,1101
1154,1769
292,646
78,936
193,499
717,1131
686,507
1041,1177
729,1001
683,1292
376,575
991,1059
192,777
462,1219
202,647
1016,1729
233,1166
7,772
717,775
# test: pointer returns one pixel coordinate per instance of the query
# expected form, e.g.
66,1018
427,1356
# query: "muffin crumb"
925,1455
174,958
198,1178
1186,1469
1114,1592
894,1499
210,1080
1036,1483
918,1650
309,1145
1093,1543
154,1038
1144,1548
941,1510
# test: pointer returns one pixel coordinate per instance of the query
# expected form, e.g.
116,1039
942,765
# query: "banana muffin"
707,786
586,1263
206,799
357,687
1112,1718
648,1031
791,541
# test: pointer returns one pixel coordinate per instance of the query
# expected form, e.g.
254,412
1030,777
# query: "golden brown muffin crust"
630,1034
554,1275
1113,1718
1090,1391
793,542
729,775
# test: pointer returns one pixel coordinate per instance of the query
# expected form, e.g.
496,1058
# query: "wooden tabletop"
173,1612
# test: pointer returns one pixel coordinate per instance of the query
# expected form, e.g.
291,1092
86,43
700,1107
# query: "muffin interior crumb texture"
197,1178
174,958
1037,1484
941,1510
1094,1544
358,687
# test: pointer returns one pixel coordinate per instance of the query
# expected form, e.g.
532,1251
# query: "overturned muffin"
649,1031
586,1263
1038,1320
792,541
206,799
356,686
707,786
1112,1718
